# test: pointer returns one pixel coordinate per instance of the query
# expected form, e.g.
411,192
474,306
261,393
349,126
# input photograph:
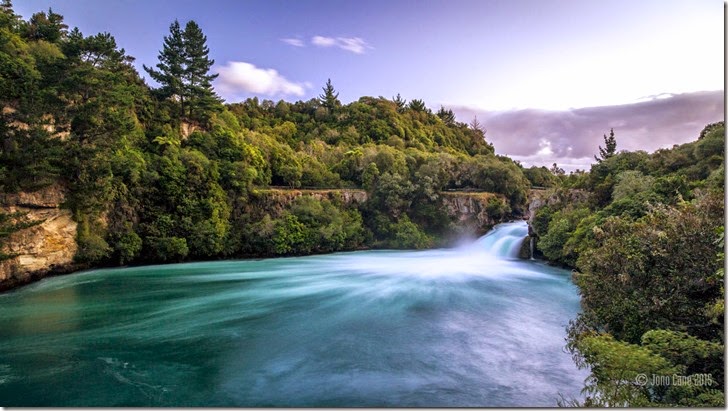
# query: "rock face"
471,211
275,201
45,248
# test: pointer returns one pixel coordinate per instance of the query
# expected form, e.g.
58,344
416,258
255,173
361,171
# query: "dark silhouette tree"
330,98
401,103
447,116
417,105
610,147
556,170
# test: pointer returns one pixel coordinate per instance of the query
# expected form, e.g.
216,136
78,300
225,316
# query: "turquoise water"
457,327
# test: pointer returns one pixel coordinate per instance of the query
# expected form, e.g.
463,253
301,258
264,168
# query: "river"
471,326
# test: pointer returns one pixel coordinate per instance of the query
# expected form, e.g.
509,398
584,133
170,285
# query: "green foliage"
696,355
653,273
620,372
610,147
183,73
540,177
92,248
127,246
630,183
330,98
554,244
168,249
406,234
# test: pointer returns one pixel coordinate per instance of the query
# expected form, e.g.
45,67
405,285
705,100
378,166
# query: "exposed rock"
187,128
470,211
43,249
47,197
275,201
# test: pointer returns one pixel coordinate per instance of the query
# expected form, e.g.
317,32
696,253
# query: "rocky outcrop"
46,246
275,201
471,211
538,198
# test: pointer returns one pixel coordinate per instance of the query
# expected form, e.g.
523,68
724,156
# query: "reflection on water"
464,327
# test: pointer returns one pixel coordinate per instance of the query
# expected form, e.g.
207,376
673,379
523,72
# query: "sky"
547,78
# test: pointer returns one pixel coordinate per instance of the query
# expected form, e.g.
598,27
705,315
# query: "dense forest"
644,233
169,173
166,174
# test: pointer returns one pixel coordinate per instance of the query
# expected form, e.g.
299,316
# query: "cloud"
239,77
294,42
323,41
571,137
355,45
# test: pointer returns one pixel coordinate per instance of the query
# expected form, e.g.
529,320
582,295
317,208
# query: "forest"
171,173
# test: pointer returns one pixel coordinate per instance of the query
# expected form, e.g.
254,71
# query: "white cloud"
294,42
241,77
323,41
355,45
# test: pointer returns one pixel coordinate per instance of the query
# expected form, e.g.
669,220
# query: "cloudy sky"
547,77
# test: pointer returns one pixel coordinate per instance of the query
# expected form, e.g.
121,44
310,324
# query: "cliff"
476,212
274,201
46,246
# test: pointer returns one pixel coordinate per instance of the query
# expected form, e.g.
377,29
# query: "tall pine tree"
183,72
171,66
197,79
330,98
610,148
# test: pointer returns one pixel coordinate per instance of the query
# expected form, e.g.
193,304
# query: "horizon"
546,78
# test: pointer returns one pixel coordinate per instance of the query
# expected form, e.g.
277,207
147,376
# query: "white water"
460,327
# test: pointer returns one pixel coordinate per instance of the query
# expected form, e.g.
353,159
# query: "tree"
330,98
556,170
197,78
478,127
417,105
48,27
610,149
447,116
171,65
400,102
183,72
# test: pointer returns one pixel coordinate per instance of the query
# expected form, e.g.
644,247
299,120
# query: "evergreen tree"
171,66
610,147
42,26
8,18
401,103
447,116
330,98
417,105
183,72
197,78
477,126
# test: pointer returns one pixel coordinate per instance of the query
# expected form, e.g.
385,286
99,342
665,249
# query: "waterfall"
505,240
531,246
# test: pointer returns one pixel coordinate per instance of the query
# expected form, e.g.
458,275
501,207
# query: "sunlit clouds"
355,45
239,77
572,137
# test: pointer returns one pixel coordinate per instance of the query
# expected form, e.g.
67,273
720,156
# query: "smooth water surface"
462,327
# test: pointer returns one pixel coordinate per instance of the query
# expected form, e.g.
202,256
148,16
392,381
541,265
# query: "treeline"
171,174
645,234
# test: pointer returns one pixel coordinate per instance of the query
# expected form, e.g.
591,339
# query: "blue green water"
453,327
